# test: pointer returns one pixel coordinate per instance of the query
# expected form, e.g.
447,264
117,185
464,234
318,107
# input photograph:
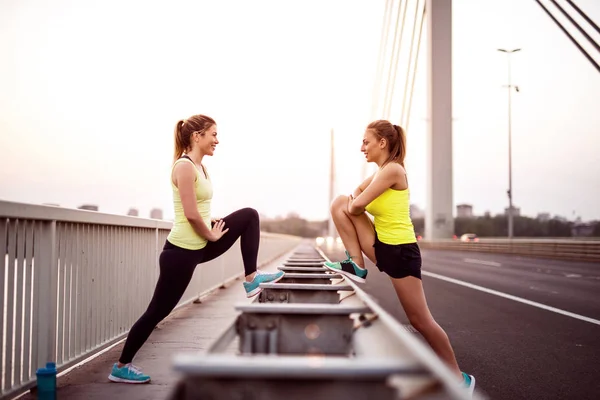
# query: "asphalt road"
526,328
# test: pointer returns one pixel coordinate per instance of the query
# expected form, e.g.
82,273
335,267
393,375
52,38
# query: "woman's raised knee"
250,213
340,203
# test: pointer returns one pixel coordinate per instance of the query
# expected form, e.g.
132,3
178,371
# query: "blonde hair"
395,137
184,129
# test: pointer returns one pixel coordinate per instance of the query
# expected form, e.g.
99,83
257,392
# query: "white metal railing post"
45,270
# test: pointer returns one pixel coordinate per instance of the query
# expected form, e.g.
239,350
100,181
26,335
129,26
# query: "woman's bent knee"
250,213
340,203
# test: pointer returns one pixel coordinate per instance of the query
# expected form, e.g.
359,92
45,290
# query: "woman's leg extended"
356,231
412,297
244,224
176,271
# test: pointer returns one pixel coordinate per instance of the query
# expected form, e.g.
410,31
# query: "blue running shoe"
348,268
469,383
127,374
253,288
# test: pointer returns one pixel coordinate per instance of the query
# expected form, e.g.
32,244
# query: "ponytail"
181,144
398,152
184,130
395,137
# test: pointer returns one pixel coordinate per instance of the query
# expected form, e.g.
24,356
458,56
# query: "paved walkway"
192,328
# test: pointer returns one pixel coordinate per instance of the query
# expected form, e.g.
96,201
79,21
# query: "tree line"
483,226
497,226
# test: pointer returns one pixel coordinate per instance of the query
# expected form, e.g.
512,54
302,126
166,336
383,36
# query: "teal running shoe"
128,374
253,288
469,383
348,268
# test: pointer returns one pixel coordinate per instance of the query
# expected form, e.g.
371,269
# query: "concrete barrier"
574,250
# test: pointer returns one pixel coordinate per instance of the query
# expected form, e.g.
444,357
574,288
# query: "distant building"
89,207
416,212
133,212
543,217
582,229
464,211
487,214
516,211
156,213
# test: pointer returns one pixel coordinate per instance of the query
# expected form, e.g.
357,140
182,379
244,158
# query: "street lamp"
509,192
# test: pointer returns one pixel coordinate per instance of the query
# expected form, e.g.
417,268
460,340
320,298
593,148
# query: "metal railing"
563,249
72,282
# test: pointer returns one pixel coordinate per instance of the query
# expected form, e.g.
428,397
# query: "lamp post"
509,192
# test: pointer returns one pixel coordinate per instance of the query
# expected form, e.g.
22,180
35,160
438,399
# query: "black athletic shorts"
398,260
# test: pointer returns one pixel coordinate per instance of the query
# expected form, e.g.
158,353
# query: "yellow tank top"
391,214
182,233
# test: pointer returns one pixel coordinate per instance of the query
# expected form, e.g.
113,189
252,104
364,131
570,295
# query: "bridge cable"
380,60
581,49
579,28
391,55
588,19
409,65
394,61
412,86
389,45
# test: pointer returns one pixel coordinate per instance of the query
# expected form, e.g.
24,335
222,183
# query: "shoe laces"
349,259
134,369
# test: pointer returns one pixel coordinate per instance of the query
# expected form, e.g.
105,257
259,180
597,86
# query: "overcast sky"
90,92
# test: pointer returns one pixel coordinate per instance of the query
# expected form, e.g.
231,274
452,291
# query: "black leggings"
177,266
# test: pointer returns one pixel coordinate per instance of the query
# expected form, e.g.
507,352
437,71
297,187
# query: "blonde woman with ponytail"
195,238
389,241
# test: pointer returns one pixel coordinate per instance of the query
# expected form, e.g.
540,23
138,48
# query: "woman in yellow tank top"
195,238
389,241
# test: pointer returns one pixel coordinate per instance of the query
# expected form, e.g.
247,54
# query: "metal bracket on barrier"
304,269
309,278
301,293
303,264
296,328
289,377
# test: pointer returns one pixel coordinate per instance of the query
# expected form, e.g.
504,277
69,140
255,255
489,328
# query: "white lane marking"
572,275
482,262
511,297
542,290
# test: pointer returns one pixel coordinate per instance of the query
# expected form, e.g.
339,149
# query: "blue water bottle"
46,382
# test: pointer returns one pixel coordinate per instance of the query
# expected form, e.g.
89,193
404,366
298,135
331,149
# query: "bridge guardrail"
66,275
296,341
563,249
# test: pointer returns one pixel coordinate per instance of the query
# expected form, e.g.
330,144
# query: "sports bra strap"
185,156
